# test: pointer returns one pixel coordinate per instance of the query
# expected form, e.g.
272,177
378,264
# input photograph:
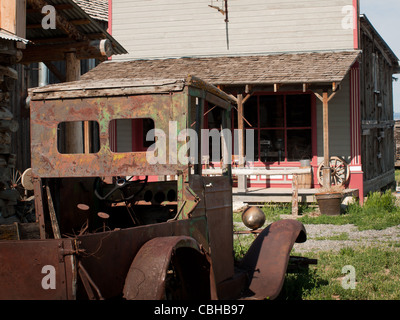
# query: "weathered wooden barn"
312,78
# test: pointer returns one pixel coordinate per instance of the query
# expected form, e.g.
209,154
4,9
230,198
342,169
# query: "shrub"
381,201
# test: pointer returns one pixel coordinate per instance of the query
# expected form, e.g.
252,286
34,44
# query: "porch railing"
268,172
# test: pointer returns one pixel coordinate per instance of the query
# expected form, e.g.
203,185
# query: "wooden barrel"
305,179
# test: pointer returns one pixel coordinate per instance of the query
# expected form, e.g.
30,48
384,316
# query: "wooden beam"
233,97
295,195
43,41
77,22
326,170
247,88
293,87
247,97
61,22
65,39
319,96
325,98
55,71
241,130
38,189
86,135
56,52
259,171
243,102
52,212
331,96
73,67
64,6
9,72
73,130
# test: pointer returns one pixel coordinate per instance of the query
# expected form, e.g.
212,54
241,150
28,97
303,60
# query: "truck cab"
122,207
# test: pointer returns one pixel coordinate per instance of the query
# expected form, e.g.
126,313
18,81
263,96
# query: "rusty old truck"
113,223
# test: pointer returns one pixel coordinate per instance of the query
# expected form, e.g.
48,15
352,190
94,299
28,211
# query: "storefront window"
283,125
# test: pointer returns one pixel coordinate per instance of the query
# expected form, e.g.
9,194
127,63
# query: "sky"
384,16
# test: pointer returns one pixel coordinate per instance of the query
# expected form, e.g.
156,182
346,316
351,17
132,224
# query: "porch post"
356,172
242,179
325,98
326,172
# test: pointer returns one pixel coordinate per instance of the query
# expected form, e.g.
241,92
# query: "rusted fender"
147,274
267,258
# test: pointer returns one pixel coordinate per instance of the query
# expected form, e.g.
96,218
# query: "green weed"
378,212
377,274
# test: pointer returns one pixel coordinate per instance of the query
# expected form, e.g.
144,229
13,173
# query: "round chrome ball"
253,218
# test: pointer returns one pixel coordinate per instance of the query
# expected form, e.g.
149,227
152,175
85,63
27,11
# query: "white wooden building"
283,57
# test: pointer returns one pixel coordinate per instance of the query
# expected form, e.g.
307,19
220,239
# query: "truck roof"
122,86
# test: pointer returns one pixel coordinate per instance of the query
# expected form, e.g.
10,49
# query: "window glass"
250,111
272,145
284,130
272,111
298,110
299,144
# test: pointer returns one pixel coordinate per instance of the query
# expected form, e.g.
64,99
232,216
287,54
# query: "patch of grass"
273,211
377,274
241,243
342,236
378,212
237,217
324,219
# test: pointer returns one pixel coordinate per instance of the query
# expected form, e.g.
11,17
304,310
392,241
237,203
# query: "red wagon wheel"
340,172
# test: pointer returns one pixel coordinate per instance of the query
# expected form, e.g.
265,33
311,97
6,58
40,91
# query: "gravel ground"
319,237
327,237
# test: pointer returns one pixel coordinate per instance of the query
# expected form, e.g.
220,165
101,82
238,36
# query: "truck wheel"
170,268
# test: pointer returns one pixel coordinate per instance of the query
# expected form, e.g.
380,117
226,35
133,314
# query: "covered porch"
300,107
289,109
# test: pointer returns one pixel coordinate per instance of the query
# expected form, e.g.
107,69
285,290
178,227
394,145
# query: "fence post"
295,195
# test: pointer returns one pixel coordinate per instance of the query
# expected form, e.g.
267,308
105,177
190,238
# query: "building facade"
315,78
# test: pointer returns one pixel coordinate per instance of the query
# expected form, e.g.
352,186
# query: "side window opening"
78,137
129,135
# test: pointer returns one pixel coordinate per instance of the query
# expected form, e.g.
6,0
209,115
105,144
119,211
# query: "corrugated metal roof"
74,12
4,34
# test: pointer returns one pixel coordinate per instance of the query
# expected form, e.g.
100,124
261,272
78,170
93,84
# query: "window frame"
285,128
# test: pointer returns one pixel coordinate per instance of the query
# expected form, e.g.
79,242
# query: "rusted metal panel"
267,258
108,255
28,266
218,201
215,200
46,115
